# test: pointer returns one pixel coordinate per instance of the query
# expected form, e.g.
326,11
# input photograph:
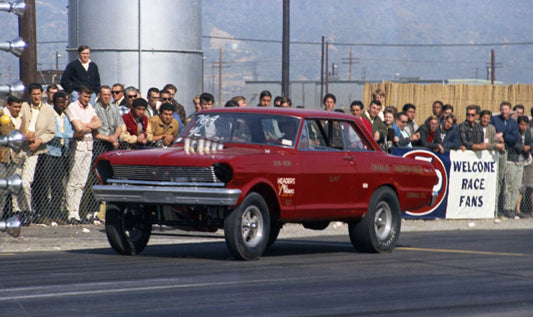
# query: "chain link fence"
48,190
51,174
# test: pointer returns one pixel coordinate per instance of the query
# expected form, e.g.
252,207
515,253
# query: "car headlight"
104,171
223,172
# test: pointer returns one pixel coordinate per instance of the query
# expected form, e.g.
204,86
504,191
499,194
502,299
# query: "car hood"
177,156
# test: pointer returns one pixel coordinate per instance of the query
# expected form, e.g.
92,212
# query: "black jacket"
514,152
423,141
76,76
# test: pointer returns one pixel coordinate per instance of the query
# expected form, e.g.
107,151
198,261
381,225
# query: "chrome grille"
165,173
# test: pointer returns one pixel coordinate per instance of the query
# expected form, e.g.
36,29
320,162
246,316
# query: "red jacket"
131,123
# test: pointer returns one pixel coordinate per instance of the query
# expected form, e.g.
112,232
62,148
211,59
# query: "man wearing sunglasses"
401,137
130,94
470,132
117,92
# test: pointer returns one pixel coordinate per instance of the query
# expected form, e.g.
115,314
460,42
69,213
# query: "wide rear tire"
379,230
247,228
126,231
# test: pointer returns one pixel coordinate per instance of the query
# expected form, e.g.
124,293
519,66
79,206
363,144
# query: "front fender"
248,186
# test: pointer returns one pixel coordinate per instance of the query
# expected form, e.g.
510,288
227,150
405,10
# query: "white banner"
472,184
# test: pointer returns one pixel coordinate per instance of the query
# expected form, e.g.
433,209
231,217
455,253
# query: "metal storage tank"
143,43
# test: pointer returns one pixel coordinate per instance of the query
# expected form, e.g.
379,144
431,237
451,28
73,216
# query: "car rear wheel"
126,231
379,230
247,228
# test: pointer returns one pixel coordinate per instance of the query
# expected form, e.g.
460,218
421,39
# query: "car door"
366,164
324,171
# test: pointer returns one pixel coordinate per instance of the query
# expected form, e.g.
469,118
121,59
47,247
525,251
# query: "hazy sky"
342,22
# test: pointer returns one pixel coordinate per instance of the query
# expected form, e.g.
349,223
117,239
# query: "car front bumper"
167,195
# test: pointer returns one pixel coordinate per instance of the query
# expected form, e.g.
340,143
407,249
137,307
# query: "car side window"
332,135
321,135
352,140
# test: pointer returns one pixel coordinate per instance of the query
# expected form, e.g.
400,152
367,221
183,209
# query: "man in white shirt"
84,121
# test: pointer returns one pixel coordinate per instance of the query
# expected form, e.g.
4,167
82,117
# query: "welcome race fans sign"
467,183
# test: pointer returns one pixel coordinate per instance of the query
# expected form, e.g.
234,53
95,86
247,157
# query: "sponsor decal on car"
286,186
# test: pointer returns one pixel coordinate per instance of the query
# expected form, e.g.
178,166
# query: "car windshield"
245,128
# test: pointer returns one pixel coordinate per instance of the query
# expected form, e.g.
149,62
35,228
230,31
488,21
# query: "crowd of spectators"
509,133
69,131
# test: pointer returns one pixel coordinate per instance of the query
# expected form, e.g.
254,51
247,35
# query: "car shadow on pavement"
218,250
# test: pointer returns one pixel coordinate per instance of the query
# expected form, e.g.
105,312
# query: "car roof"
304,113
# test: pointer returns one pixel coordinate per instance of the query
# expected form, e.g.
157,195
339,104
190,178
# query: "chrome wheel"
379,229
383,220
252,226
247,227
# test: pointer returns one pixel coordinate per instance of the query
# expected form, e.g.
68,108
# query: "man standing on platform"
81,72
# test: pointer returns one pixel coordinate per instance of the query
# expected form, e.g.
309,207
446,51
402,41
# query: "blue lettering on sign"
474,167
476,183
471,201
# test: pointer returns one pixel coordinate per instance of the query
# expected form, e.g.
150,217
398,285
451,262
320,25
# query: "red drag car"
250,170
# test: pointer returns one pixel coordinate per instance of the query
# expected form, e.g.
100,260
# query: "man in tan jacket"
38,119
163,126
9,157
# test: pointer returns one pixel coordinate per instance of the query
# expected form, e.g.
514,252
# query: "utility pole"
285,48
491,68
28,31
322,71
220,79
212,84
350,60
327,70
220,64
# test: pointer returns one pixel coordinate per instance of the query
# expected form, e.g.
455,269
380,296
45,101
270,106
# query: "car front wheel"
247,227
126,231
379,230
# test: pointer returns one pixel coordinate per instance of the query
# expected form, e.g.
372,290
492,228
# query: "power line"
51,42
346,44
371,44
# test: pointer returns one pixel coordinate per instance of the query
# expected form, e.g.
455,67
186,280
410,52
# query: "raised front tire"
126,230
247,227
379,230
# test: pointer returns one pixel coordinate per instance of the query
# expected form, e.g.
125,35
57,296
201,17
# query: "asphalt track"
428,274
